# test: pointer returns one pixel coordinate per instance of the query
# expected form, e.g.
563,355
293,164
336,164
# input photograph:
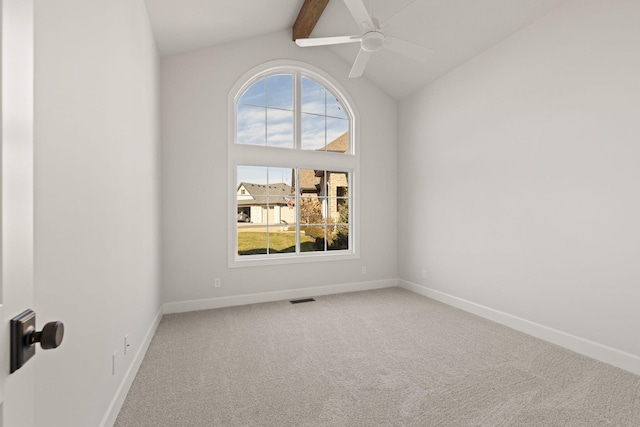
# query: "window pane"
322,183
333,209
251,194
279,214
340,238
280,176
311,210
338,190
342,206
313,97
313,132
255,94
334,108
252,174
342,191
307,181
251,125
338,183
282,241
279,128
280,91
252,240
314,238
306,242
281,200
282,216
337,135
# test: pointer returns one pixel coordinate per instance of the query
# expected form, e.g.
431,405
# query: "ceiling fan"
372,40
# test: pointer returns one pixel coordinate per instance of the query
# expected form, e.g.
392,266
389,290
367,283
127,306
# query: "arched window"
293,167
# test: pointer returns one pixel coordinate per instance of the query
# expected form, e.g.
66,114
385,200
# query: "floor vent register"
298,301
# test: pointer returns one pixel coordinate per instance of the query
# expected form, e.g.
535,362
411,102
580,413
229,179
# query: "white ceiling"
183,25
457,30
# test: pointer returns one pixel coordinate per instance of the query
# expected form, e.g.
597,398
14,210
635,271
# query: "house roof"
340,144
309,180
273,194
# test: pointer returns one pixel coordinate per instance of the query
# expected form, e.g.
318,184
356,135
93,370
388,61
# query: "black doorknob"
50,336
24,337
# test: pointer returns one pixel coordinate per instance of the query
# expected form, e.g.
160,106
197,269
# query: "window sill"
280,259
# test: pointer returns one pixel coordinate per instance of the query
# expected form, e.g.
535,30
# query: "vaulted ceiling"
457,30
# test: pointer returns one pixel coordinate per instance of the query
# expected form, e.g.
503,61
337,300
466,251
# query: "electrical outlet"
216,282
126,345
424,274
364,269
114,362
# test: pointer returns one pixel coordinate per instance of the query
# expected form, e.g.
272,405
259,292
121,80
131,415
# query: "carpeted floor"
386,357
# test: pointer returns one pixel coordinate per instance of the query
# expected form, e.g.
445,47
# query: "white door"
16,203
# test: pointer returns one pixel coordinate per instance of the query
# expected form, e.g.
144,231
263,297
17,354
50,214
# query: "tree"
311,213
340,238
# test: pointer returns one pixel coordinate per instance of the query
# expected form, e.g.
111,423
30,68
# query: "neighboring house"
272,204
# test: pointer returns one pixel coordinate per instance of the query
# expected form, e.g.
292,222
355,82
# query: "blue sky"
263,175
265,113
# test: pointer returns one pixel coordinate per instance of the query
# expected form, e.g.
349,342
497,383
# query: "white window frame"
252,155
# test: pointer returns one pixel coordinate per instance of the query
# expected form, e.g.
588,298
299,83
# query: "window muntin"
322,131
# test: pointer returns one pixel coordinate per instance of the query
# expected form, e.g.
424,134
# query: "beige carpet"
377,358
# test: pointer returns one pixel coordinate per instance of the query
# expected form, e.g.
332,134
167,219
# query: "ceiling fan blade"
324,41
360,14
360,64
409,49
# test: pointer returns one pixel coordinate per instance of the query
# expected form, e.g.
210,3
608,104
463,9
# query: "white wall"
96,199
195,89
520,181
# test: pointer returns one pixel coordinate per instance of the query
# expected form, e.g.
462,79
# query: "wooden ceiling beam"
310,13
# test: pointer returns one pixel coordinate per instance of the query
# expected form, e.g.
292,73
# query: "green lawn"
252,243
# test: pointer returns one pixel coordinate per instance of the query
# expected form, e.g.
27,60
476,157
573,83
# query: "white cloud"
279,128
251,125
274,127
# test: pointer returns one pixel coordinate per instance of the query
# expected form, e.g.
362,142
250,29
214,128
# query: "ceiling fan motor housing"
372,41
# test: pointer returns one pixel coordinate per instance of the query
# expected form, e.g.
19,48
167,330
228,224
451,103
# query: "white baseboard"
603,353
209,303
118,400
